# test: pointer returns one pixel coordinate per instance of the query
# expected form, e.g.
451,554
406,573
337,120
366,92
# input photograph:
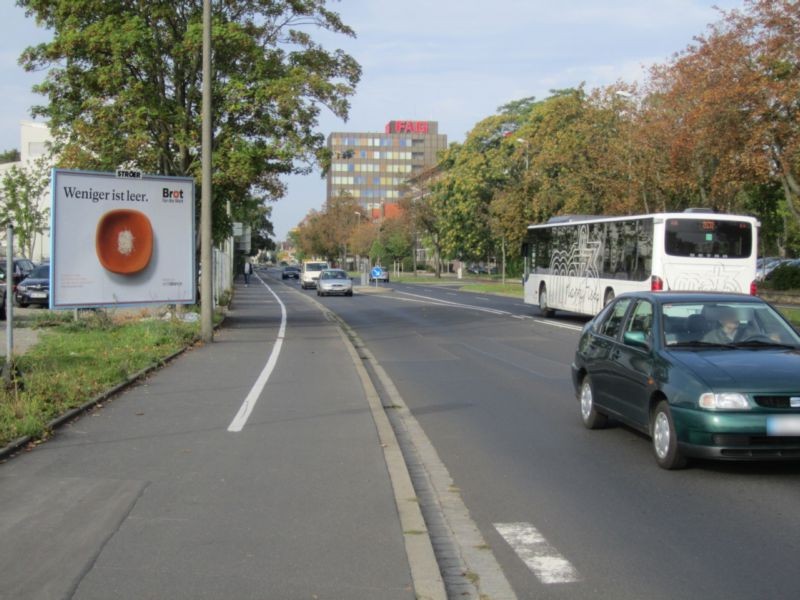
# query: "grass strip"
75,361
793,314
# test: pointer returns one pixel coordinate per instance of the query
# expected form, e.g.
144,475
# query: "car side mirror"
637,339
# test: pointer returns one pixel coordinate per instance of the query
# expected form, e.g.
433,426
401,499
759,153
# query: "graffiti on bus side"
581,265
718,280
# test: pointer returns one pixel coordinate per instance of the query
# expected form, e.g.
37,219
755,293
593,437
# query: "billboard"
121,239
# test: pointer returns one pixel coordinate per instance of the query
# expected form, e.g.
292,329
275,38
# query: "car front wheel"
665,438
591,417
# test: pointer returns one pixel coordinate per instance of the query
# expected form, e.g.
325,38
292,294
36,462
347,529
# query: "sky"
451,61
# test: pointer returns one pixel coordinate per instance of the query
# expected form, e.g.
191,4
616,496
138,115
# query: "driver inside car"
727,328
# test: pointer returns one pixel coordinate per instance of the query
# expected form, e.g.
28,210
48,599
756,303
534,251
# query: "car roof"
692,296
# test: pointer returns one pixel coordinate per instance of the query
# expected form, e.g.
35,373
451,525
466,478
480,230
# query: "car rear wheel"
665,438
591,417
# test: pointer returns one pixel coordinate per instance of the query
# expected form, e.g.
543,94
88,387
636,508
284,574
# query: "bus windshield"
708,238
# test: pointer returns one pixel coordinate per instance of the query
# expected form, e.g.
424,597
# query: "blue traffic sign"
376,272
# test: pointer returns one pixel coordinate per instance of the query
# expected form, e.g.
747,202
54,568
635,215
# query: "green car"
705,375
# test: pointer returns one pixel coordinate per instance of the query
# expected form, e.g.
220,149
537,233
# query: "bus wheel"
608,297
546,312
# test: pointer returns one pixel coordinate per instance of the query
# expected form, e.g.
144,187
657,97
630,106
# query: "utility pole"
206,297
9,283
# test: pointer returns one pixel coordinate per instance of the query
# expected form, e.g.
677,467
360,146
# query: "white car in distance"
310,273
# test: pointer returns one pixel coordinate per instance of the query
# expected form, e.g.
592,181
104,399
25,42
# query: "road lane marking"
557,324
537,554
249,403
493,311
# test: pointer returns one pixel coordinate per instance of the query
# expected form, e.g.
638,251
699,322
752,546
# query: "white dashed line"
557,324
539,556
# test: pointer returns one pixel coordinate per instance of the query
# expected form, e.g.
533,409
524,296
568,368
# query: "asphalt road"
152,495
567,512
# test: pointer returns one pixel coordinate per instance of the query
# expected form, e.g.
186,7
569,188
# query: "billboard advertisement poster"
121,241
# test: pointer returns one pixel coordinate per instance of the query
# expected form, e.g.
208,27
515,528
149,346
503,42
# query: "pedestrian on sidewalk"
248,268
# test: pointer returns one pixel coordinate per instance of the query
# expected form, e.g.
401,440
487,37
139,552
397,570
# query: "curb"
16,445
425,573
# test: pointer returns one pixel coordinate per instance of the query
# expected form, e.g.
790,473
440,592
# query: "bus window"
541,256
708,238
644,250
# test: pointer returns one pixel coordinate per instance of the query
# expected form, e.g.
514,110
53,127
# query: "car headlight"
725,401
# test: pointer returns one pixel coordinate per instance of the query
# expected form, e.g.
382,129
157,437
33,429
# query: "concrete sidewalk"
24,339
151,496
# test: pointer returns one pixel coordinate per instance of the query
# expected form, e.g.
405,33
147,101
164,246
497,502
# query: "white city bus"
579,264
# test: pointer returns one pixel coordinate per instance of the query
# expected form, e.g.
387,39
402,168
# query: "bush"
784,277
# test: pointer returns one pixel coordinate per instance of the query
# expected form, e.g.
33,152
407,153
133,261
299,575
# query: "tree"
396,238
362,236
470,173
22,190
340,221
124,88
261,239
9,156
732,104
327,232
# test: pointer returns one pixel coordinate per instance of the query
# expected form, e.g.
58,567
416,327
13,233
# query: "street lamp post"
628,97
358,256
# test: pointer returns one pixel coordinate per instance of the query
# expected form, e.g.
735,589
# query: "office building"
373,167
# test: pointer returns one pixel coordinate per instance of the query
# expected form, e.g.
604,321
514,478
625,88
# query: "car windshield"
40,272
725,324
316,266
333,275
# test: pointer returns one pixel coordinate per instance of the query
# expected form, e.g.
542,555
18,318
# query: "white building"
34,137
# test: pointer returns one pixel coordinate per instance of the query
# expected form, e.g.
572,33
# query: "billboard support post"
9,283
